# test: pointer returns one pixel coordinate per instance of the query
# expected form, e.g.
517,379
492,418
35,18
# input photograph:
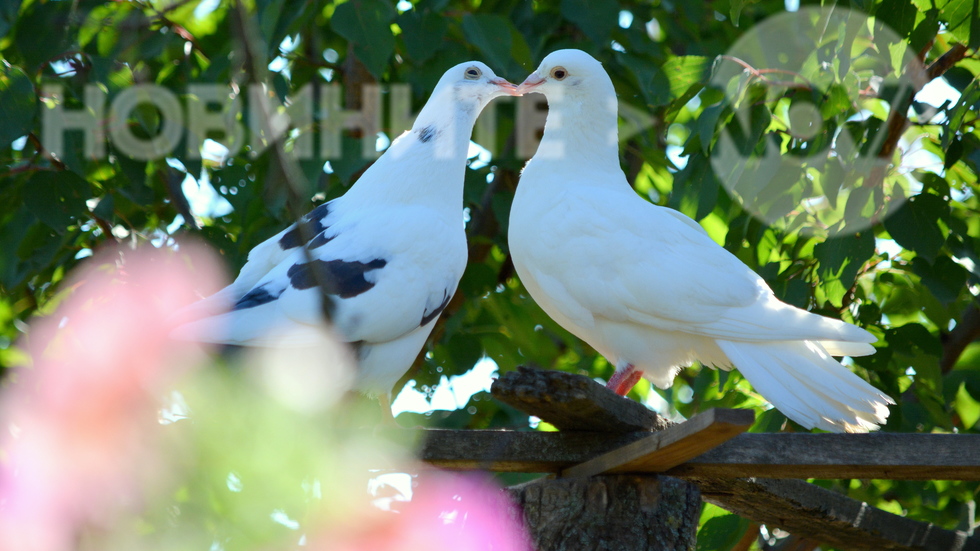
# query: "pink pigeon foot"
623,380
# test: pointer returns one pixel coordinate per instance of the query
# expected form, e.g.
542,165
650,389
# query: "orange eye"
559,73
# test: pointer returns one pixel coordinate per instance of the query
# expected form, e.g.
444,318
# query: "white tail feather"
804,382
842,348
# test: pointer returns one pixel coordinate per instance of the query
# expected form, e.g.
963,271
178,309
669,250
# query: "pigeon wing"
385,280
630,260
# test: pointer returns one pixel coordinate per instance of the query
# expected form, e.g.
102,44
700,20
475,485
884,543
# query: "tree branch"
955,342
898,120
946,62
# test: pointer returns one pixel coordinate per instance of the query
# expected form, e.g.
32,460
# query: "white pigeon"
392,249
646,287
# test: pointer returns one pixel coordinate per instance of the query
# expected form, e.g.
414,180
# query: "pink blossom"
448,512
78,426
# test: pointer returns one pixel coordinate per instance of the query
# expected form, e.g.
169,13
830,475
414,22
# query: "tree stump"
610,513
605,512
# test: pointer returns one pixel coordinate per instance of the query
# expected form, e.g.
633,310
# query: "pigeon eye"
559,73
473,73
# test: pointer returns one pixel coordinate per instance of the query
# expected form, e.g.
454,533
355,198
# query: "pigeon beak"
506,87
530,83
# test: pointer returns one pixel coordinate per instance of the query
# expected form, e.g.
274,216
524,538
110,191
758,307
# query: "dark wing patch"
321,239
429,316
256,297
427,133
293,238
342,278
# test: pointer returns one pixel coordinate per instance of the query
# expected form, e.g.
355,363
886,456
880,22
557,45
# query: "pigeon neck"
444,133
583,129
427,164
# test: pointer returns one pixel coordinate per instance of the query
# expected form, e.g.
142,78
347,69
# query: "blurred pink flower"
448,512
78,426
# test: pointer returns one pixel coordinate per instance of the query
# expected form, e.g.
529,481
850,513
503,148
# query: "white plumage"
393,248
645,285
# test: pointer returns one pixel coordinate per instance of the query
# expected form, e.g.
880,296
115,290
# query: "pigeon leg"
624,379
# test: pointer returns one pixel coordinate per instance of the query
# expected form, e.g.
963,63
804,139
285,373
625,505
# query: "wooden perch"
793,505
573,402
894,456
834,456
669,447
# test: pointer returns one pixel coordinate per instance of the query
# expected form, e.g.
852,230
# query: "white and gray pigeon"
393,248
647,288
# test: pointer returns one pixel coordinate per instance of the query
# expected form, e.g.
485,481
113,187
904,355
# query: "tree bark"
610,513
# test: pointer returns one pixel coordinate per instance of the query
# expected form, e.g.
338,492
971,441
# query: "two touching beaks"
528,86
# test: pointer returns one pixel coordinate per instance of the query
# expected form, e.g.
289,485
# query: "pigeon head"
471,86
571,74
582,110
447,119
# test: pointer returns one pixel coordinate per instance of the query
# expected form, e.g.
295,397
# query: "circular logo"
806,106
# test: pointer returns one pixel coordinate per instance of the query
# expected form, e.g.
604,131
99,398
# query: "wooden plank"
793,505
573,402
834,456
812,512
877,455
669,447
515,451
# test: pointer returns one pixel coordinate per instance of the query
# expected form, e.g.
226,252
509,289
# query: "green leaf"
925,30
13,231
721,533
961,19
899,15
18,103
497,38
57,198
954,153
685,72
48,20
695,188
771,420
966,407
913,339
836,102
596,19
735,10
966,104
423,33
653,82
707,126
367,25
915,225
8,15
944,278
840,260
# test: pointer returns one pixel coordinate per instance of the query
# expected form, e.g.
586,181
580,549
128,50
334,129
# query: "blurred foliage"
911,279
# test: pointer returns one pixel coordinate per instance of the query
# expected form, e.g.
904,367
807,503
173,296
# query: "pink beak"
530,83
506,86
